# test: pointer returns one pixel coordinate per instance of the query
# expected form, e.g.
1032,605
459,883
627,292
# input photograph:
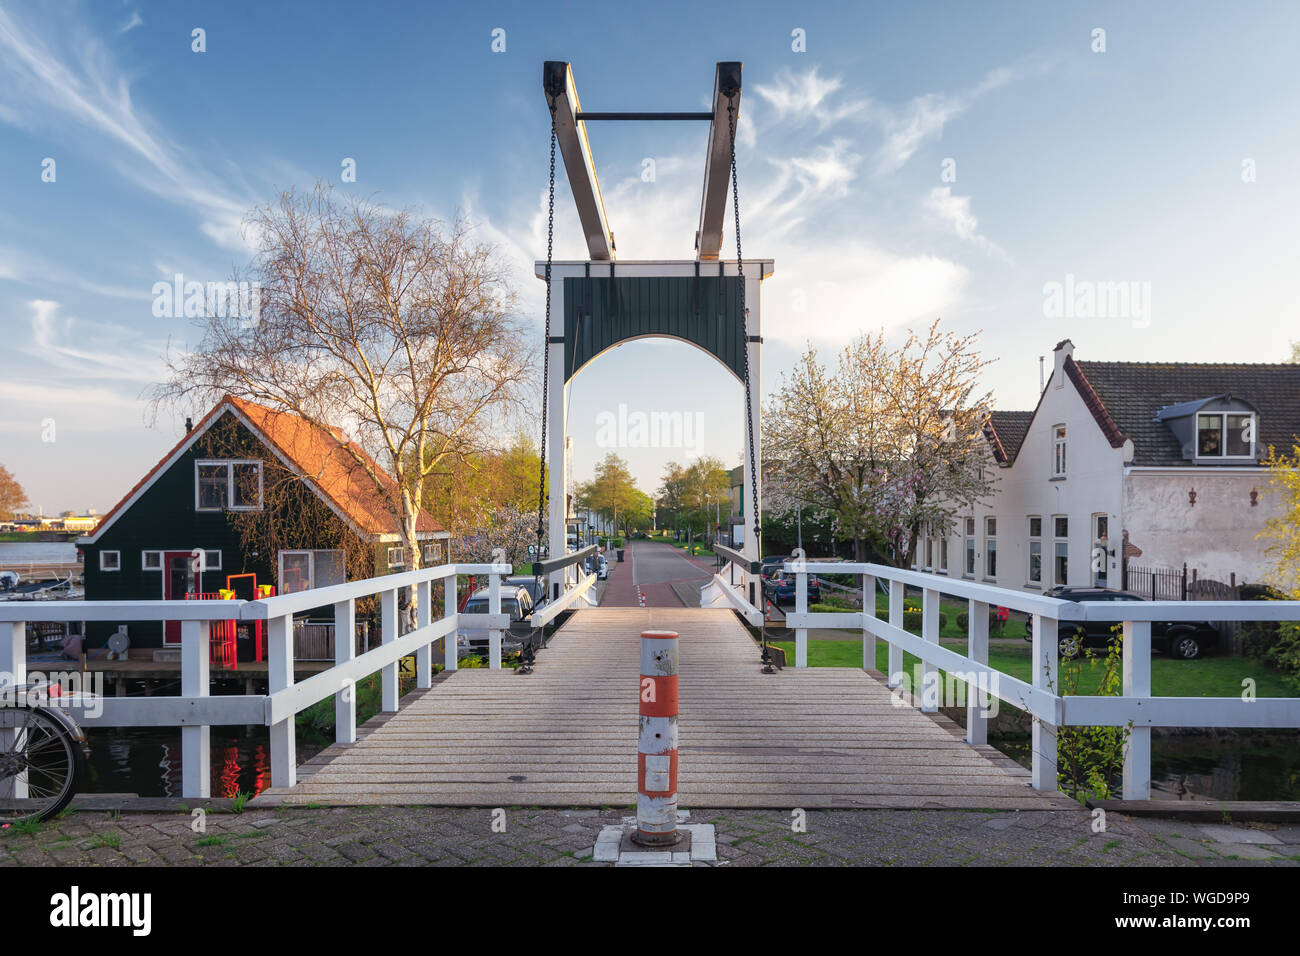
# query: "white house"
1158,464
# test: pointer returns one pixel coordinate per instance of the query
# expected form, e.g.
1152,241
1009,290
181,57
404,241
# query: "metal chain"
546,379
744,351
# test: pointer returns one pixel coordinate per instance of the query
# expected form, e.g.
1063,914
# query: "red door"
178,581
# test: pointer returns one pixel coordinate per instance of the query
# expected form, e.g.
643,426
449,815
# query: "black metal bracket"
654,117
550,565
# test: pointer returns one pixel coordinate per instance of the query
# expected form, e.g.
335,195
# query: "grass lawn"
702,548
1208,677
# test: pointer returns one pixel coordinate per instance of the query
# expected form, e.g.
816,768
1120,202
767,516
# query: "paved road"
369,836
647,574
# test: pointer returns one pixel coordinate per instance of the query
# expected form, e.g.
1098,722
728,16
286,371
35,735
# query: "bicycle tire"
69,766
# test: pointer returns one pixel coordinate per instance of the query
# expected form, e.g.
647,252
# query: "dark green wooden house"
250,496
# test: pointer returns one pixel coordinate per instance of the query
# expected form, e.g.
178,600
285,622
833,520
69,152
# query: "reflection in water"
147,761
1248,765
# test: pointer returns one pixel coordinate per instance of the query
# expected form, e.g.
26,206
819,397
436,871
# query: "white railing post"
13,670
450,644
1137,683
279,674
388,673
896,593
1043,735
494,635
196,751
977,649
345,647
930,633
801,607
423,618
869,609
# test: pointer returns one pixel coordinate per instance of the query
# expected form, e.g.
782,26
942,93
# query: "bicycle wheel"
41,765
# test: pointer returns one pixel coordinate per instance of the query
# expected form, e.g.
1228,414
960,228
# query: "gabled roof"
1130,396
323,457
1006,432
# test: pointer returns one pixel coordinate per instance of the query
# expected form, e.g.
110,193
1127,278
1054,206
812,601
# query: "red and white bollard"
656,797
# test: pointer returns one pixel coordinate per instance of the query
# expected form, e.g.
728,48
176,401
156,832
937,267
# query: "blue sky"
1117,166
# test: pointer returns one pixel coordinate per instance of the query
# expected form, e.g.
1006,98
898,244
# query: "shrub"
618,542
912,618
829,608
995,626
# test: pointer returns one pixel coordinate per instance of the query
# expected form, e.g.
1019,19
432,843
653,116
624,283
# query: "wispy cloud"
923,119
131,24
955,212
801,97
78,87
81,352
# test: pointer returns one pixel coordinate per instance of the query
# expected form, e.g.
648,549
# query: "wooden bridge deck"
566,735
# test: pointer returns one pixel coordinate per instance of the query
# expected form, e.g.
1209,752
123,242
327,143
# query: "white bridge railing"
195,711
1136,709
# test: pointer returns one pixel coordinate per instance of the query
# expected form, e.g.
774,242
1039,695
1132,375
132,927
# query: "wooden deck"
566,735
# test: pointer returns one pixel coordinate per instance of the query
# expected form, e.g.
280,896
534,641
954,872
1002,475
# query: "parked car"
1186,640
597,565
516,602
535,586
779,587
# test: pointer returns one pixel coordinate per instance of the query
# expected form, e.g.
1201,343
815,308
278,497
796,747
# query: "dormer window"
1222,429
1224,435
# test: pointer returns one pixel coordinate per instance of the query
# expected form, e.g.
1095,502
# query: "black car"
1187,640
779,586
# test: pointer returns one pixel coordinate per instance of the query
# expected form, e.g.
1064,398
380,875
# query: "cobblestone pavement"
375,836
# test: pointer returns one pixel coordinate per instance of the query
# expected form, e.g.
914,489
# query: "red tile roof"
333,467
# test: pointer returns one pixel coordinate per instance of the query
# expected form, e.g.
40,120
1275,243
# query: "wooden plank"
566,735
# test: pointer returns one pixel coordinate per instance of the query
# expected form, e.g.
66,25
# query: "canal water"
1247,765
1255,765
147,761
37,552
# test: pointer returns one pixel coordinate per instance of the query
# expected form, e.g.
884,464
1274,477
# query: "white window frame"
401,556
208,563
969,557
229,464
144,560
311,563
1223,415
1029,554
943,554
117,561
990,547
1059,540
1060,449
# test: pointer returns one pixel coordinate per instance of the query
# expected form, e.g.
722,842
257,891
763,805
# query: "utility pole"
799,524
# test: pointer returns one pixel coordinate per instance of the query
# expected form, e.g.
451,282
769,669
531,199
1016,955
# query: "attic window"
1225,435
227,485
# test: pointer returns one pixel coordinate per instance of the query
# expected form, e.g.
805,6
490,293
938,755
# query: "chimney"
1064,349
189,424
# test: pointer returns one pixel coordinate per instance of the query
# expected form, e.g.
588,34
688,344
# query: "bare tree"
396,330
889,440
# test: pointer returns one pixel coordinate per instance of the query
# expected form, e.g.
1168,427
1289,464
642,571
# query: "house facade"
1154,464
250,496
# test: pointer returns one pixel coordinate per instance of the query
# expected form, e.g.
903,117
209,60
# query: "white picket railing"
195,711
1136,709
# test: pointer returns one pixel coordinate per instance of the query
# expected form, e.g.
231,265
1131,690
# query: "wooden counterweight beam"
717,168
571,135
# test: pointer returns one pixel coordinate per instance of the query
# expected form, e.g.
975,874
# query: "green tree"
612,492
